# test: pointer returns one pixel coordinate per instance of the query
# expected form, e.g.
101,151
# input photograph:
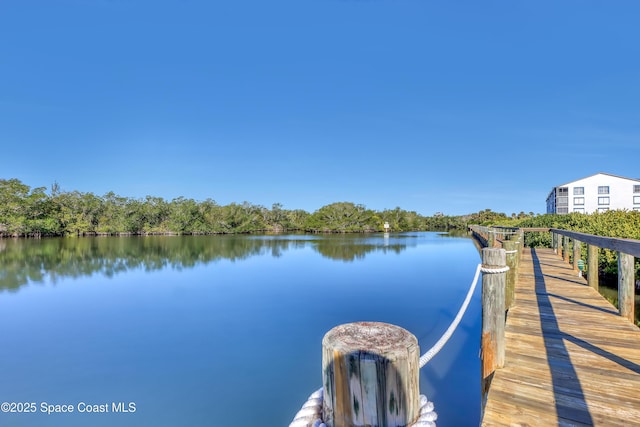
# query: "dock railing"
568,245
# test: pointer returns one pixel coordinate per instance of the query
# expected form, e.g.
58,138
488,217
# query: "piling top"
374,337
494,257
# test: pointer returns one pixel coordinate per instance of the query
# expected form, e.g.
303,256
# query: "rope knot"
494,269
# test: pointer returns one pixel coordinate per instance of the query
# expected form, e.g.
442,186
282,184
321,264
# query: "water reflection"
24,261
197,322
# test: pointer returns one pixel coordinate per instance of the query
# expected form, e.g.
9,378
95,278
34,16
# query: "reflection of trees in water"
351,248
24,261
31,261
350,252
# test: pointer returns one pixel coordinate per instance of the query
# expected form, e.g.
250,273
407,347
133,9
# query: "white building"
596,193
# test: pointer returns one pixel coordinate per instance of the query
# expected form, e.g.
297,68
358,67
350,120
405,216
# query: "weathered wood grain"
626,286
493,303
511,250
592,266
370,376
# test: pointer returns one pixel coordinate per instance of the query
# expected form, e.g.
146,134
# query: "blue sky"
452,106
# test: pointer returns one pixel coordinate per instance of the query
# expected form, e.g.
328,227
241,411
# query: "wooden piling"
493,315
370,376
565,249
511,251
520,245
626,283
592,266
491,238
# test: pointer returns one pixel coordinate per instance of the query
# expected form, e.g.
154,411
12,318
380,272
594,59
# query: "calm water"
220,330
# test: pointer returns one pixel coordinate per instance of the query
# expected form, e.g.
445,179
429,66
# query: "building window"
636,188
603,189
636,208
636,200
563,191
578,191
578,200
563,210
603,200
563,201
603,209
578,210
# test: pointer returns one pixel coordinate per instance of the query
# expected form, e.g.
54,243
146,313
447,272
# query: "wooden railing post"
370,375
521,240
511,251
577,254
626,285
520,246
592,266
560,244
565,249
493,314
491,238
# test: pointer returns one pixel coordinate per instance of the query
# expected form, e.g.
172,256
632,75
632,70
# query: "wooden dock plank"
571,360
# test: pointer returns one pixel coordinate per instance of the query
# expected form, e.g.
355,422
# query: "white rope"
310,415
428,415
489,270
515,251
425,358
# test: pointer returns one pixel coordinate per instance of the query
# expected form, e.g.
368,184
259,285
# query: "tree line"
36,212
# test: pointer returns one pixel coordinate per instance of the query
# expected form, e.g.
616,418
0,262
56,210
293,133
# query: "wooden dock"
571,360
